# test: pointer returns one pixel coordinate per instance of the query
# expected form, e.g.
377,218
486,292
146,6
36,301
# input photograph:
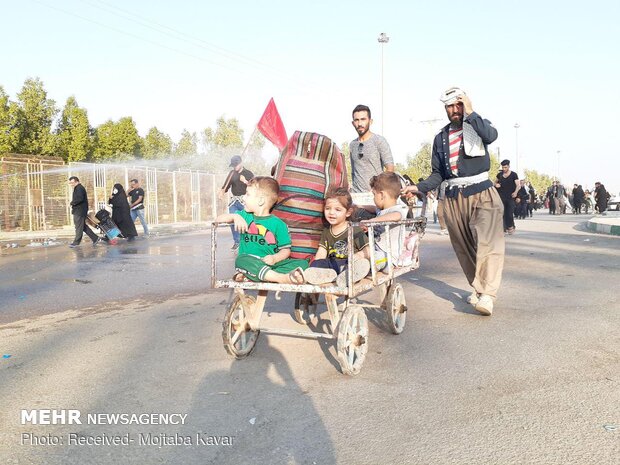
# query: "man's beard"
457,123
363,130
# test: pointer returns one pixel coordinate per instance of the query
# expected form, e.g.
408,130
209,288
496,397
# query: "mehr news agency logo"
75,417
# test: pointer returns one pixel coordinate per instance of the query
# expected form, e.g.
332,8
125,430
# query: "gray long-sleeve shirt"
368,159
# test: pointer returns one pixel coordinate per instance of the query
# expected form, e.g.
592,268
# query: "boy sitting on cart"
386,189
265,242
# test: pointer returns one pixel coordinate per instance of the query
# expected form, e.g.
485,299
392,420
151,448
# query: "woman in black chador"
120,212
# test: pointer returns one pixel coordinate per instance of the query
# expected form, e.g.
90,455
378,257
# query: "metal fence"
35,195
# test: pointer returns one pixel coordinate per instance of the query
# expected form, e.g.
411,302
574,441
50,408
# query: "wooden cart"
348,322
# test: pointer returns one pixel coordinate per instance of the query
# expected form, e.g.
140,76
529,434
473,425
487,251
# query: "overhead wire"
180,35
183,37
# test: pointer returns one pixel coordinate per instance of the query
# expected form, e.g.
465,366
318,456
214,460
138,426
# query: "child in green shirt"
265,243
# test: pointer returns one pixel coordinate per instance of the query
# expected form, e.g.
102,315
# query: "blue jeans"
235,207
139,213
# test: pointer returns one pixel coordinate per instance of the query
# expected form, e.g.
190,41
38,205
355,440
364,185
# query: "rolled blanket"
309,165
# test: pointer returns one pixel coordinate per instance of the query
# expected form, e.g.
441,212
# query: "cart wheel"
239,339
305,306
352,342
396,308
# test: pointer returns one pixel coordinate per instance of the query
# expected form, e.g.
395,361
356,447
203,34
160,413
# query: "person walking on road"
237,181
560,198
508,186
136,204
472,207
531,200
578,198
121,215
522,200
600,196
79,210
550,196
587,201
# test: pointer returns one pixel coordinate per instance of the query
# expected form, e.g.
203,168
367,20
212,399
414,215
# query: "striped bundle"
309,165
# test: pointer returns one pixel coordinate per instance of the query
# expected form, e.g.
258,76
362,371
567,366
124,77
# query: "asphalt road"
140,332
43,280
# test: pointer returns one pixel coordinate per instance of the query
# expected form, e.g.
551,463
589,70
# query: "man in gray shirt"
370,153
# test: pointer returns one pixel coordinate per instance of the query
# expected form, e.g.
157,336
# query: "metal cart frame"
348,322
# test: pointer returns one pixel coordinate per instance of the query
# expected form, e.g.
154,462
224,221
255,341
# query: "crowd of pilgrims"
557,199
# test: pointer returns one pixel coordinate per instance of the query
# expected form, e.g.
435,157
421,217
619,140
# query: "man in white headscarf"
473,210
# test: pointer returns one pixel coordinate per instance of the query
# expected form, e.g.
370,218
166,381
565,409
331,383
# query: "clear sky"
551,66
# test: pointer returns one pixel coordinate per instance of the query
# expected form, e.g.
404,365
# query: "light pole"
517,126
558,155
383,39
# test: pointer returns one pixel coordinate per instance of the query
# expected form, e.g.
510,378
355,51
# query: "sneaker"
443,232
485,305
320,275
235,246
74,244
473,298
360,269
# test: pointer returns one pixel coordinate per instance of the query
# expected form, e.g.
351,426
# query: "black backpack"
102,215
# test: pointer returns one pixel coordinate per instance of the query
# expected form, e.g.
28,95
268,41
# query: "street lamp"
558,155
517,126
383,39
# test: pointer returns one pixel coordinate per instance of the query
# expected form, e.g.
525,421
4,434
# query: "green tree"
34,117
226,134
188,144
117,141
9,133
419,165
156,144
75,141
222,143
540,181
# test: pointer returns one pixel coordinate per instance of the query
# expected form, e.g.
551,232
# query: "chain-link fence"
35,195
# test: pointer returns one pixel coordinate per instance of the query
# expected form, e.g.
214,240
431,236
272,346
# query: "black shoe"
235,246
74,244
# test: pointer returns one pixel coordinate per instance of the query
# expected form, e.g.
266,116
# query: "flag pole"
245,149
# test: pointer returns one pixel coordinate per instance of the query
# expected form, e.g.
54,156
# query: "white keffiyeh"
472,143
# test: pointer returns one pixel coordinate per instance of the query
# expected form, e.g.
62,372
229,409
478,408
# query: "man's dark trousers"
81,227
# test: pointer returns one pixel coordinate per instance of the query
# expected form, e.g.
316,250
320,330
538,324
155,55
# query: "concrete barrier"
605,224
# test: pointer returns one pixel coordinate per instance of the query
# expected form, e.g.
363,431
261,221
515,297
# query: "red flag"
270,125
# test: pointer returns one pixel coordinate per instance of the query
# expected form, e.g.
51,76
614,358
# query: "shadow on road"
445,291
259,403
